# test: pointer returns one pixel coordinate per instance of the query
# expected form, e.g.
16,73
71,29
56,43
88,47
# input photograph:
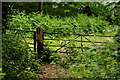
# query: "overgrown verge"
93,63
18,63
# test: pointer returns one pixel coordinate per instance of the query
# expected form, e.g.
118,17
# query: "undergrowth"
18,63
92,63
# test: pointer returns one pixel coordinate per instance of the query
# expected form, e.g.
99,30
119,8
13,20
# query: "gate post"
39,40
35,41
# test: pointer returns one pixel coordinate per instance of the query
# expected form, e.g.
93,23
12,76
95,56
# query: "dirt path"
53,71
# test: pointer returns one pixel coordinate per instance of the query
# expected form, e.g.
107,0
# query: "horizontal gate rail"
62,46
79,41
82,34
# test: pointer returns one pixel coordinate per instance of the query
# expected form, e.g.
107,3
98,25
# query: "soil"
54,71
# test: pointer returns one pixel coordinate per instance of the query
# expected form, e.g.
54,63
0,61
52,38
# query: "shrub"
18,63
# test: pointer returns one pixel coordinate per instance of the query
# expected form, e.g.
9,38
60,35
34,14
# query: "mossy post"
39,40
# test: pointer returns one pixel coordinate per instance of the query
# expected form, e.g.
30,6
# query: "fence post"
35,41
39,40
